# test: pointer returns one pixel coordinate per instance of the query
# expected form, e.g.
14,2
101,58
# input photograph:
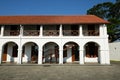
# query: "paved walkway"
67,72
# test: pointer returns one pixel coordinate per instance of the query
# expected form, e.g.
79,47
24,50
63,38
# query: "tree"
114,29
111,12
115,10
117,0
101,10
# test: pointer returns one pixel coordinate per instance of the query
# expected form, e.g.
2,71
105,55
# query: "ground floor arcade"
52,53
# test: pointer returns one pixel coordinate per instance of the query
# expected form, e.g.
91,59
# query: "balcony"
70,32
31,33
51,30
91,33
51,33
11,32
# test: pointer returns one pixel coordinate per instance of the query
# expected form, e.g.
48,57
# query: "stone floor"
60,72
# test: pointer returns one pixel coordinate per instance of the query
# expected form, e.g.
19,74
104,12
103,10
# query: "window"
70,30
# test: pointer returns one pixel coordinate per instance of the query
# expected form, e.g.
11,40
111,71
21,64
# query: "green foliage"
111,12
101,10
117,1
115,10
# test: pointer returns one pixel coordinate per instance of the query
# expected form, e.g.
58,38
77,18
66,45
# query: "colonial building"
53,39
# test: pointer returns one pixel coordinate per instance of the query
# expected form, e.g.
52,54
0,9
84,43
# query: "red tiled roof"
86,19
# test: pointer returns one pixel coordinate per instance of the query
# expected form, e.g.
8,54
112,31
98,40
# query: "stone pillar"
60,31
102,57
19,61
69,54
101,30
41,31
21,30
28,52
60,56
9,52
105,30
80,31
81,56
40,56
107,58
2,31
19,56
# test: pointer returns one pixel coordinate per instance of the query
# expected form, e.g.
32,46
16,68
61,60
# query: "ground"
64,72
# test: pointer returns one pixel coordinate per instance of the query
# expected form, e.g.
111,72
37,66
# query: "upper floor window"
31,30
91,30
70,30
51,30
11,30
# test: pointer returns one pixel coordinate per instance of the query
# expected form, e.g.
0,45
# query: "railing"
11,32
90,33
51,33
70,32
31,32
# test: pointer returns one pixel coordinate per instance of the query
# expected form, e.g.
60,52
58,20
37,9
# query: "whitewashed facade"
56,43
114,51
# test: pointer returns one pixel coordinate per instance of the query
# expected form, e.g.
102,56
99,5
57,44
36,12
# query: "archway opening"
71,52
50,53
30,53
91,52
10,52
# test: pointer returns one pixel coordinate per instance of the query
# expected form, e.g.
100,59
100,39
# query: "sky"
47,7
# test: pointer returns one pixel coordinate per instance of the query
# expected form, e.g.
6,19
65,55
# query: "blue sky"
47,7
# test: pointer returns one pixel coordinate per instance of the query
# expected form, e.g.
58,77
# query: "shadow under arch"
91,52
9,52
50,53
30,52
71,52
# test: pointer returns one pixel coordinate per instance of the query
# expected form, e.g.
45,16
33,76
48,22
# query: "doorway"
71,52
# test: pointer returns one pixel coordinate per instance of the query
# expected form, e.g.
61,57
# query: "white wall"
114,51
61,41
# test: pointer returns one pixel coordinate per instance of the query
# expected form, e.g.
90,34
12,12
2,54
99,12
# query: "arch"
50,52
9,42
91,51
72,42
9,52
92,42
49,42
29,42
30,52
71,52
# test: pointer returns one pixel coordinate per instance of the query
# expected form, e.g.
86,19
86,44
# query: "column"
80,31
0,56
2,30
107,58
101,30
41,31
20,48
9,52
69,54
40,56
81,56
60,56
102,57
60,33
21,30
105,30
19,56
28,52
